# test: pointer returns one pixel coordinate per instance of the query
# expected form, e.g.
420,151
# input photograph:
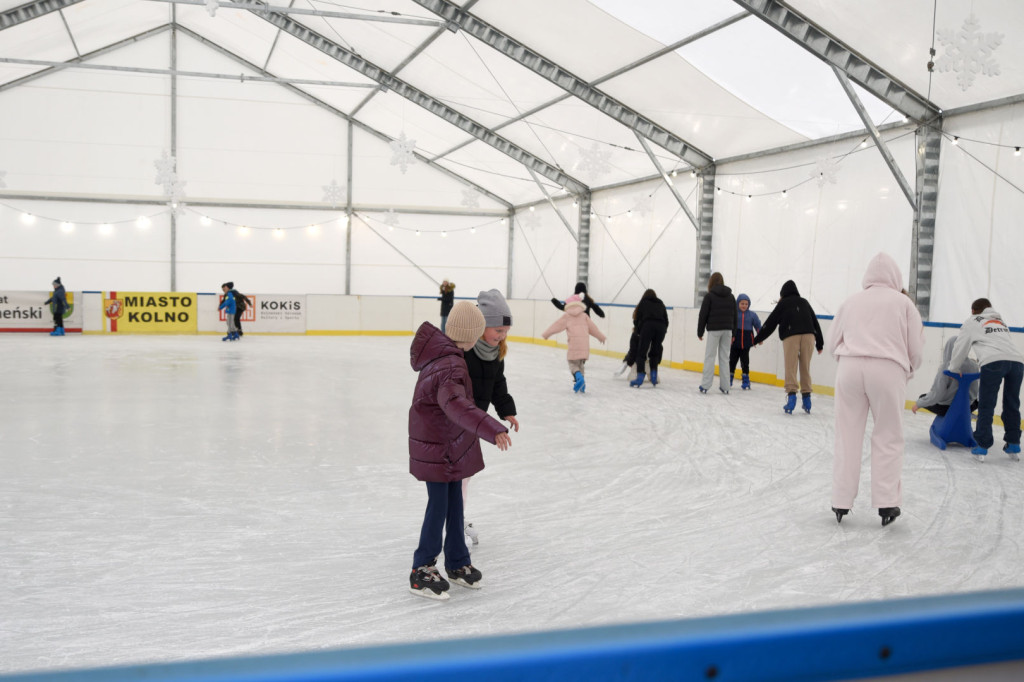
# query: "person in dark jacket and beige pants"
800,334
444,427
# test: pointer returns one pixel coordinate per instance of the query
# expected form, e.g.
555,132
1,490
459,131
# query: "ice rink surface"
173,498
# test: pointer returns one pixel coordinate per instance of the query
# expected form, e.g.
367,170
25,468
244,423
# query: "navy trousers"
443,518
1009,374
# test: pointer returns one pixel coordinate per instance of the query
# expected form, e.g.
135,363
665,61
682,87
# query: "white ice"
171,498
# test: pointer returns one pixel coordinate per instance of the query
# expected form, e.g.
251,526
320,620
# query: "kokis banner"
25,311
139,312
283,314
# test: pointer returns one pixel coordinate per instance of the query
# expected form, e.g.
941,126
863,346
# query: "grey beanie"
495,309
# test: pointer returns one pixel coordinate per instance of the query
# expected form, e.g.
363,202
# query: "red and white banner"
25,311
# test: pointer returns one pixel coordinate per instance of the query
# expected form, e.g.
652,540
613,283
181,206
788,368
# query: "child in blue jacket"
747,325
229,307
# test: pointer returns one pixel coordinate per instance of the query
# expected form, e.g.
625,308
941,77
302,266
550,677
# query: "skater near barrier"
241,303
800,334
944,387
651,323
59,299
447,299
578,327
581,291
747,326
444,428
718,317
987,335
229,307
486,365
877,339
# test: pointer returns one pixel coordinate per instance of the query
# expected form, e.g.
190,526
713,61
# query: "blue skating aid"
955,426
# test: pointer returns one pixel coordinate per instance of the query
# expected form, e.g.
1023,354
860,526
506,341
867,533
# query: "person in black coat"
800,334
447,299
241,303
650,319
718,317
59,300
581,289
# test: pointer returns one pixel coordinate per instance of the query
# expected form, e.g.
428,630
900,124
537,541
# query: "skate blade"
430,594
459,581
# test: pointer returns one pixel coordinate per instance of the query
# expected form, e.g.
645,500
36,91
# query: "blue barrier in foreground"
825,643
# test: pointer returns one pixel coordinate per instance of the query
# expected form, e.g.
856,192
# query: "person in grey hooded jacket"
940,396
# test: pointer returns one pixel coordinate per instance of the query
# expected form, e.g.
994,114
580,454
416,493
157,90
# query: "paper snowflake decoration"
165,170
645,206
403,152
968,52
531,219
470,198
594,160
825,170
212,6
391,218
3,185
333,193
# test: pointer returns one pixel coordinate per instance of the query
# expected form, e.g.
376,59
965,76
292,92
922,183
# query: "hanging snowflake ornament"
3,185
531,220
594,160
645,206
403,152
825,170
391,218
212,6
333,194
968,52
470,198
165,170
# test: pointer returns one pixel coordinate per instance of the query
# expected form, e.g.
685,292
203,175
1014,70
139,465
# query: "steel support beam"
883,149
508,46
340,114
511,219
174,147
929,142
831,50
668,181
583,243
348,211
327,14
705,230
422,99
32,10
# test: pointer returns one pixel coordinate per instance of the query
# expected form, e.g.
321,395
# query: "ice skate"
472,535
640,376
723,390
731,377
1013,450
806,402
580,384
790,403
654,377
467,576
622,370
702,389
840,513
979,453
888,514
426,581
746,382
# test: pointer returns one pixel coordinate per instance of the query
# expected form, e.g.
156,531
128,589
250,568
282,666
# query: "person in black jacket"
650,318
800,334
718,317
447,299
581,289
59,300
241,303
486,364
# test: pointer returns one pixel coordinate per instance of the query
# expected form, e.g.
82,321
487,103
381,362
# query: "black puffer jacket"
717,311
489,385
650,311
792,315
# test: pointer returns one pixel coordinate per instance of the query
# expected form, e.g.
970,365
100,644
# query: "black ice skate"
467,576
888,514
840,513
427,582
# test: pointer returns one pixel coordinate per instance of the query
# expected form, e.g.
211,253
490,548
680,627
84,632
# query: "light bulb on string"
313,229
243,231
1016,151
444,233
693,173
718,190
278,233
106,229
533,208
749,197
674,173
28,219
863,144
956,141
67,227
417,233
142,222
205,221
783,192
472,230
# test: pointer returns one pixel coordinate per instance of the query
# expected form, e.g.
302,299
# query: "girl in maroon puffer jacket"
444,425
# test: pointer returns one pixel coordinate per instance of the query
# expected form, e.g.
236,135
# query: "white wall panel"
544,253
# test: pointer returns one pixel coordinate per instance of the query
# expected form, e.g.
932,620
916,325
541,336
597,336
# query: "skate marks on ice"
202,499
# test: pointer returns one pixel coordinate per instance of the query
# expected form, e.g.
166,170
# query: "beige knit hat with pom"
465,323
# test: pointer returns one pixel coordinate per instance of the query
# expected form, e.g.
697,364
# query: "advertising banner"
146,312
272,313
24,311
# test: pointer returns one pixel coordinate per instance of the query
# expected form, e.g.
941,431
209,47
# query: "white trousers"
878,386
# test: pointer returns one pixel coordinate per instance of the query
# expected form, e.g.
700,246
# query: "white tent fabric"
764,109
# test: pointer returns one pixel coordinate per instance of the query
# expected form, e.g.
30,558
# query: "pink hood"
578,326
879,321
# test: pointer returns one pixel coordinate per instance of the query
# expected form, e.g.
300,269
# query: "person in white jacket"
987,335
940,396
877,339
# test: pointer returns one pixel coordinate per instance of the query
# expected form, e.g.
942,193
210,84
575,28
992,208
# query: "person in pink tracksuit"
877,339
579,328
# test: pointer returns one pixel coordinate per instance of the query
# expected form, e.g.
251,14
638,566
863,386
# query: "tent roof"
712,76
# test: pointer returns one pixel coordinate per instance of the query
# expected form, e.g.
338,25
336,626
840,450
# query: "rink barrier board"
947,636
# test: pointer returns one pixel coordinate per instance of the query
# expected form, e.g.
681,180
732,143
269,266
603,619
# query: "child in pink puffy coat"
579,328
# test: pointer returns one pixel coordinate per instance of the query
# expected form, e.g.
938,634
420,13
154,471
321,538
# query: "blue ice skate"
580,385
790,403
640,376
807,402
746,382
